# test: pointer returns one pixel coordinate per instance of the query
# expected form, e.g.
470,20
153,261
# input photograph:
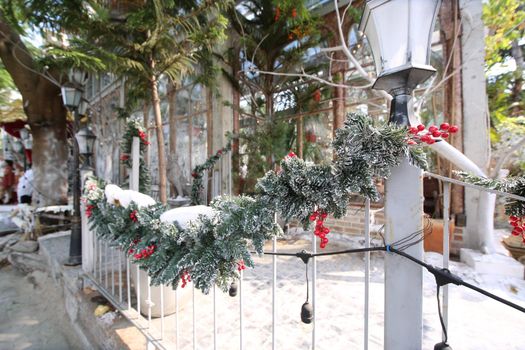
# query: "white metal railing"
120,282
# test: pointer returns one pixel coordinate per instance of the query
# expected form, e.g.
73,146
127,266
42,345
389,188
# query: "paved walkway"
32,313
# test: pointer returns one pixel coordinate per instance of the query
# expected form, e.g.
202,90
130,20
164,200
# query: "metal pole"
75,243
367,272
446,247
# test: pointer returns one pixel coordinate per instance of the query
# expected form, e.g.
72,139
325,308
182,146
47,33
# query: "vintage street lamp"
86,142
72,98
399,33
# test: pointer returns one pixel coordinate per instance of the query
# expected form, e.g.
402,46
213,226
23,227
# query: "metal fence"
120,282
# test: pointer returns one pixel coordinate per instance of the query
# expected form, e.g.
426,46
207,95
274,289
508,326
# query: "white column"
135,163
476,127
87,234
403,278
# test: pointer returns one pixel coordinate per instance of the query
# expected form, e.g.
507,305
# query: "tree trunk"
46,115
49,165
155,100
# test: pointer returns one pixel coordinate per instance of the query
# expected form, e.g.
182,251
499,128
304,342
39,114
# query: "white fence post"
87,235
403,279
135,164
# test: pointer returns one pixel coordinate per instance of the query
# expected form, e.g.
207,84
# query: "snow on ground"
475,321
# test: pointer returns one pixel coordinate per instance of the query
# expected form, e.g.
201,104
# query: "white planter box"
185,294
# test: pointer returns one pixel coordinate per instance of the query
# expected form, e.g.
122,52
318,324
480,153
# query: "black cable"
443,276
441,315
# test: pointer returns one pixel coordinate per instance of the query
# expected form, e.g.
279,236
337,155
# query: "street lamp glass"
399,33
83,107
71,96
86,141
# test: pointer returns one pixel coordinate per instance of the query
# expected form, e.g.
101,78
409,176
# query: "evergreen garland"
213,250
514,185
198,172
135,129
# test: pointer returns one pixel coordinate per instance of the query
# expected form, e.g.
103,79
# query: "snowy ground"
475,321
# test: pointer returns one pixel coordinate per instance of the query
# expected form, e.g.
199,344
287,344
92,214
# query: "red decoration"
518,224
219,152
145,253
194,175
240,265
294,12
444,126
133,216
444,135
320,230
432,128
421,127
317,95
277,13
453,129
185,278
143,137
291,154
89,210
124,157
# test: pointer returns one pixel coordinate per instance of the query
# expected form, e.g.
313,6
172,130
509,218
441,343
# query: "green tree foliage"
505,20
275,37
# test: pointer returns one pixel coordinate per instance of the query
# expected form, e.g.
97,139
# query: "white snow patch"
112,192
140,199
184,215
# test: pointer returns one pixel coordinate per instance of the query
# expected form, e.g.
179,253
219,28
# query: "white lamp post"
399,33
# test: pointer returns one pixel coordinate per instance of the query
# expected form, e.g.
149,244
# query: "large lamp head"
399,34
86,141
71,96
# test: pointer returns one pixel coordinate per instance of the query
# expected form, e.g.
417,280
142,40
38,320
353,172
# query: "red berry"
425,138
453,129
432,128
324,215
444,135
518,229
421,127
313,217
436,133
412,142
515,233
291,154
513,218
431,141
413,130
514,223
444,126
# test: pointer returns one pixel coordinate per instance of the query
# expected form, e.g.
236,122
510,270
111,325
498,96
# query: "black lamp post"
86,143
72,96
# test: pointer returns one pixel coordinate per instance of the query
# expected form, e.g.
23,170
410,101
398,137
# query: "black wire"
441,315
307,284
443,276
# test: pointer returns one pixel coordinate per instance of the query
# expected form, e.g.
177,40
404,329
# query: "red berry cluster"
143,137
124,157
89,210
320,229
291,155
132,245
146,252
277,14
240,265
519,226
420,134
185,277
133,216
317,95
